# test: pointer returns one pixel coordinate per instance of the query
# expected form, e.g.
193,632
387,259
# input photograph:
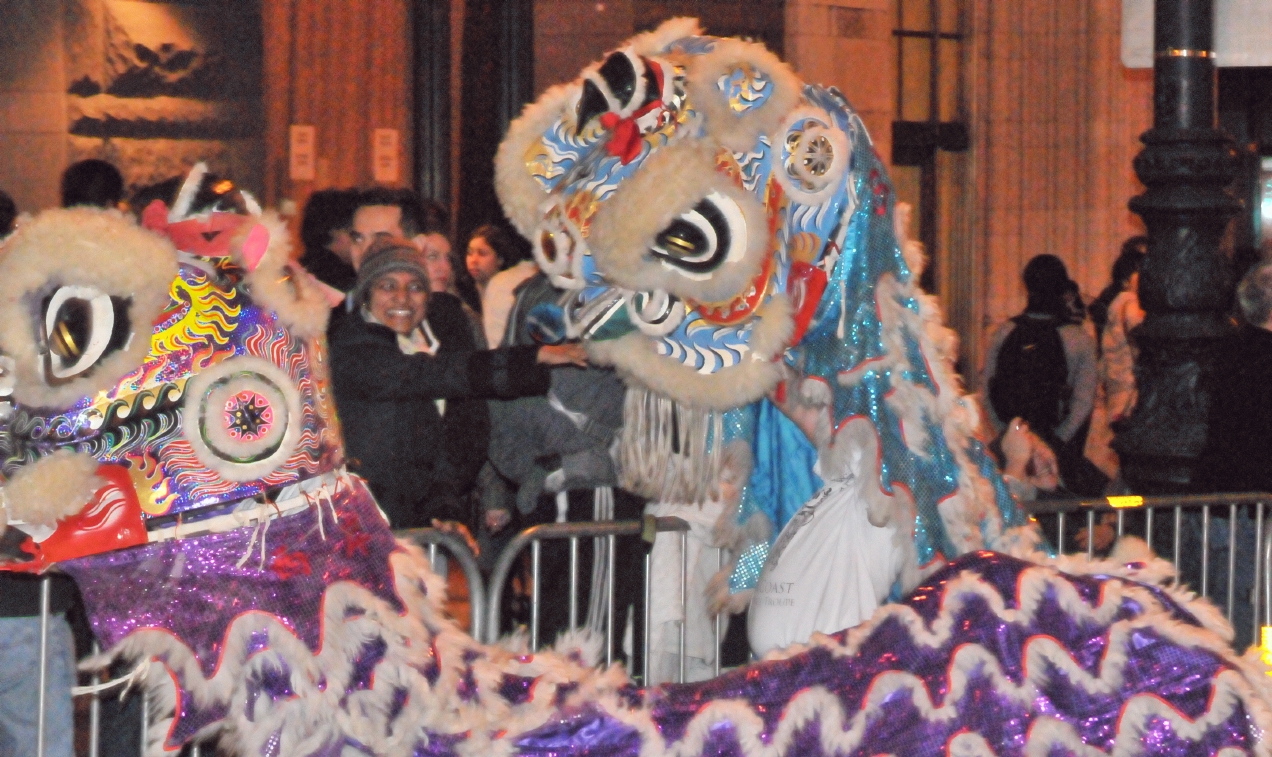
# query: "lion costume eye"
703,239
81,326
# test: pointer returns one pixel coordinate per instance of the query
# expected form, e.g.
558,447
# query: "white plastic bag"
828,570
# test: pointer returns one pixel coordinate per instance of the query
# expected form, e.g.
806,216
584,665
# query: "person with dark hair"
8,214
1041,368
389,373
325,228
399,213
1117,348
1127,265
382,211
497,267
92,182
1238,448
165,191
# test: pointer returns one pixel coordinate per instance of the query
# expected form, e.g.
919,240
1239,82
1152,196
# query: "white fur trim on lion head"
263,249
79,291
53,487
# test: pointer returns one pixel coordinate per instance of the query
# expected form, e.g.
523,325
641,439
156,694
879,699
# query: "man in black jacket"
1238,454
391,381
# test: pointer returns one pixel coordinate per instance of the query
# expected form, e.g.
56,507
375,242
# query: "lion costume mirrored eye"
82,325
701,240
813,157
79,292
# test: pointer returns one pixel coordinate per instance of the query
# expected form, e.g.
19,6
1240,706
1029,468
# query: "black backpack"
1031,377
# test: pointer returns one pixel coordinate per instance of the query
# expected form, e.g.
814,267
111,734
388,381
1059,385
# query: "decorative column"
1185,285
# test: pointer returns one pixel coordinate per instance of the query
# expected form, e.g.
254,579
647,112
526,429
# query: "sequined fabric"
195,588
990,652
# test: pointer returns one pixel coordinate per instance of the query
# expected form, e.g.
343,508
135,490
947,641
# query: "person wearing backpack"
1041,368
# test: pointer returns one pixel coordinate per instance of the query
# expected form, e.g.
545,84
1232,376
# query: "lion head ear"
742,91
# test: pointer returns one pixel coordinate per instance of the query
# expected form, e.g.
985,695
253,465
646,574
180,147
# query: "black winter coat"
1239,437
393,433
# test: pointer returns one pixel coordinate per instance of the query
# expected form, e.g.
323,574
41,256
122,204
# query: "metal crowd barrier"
599,531
1184,514
455,545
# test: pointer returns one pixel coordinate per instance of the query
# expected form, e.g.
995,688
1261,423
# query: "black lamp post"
1185,285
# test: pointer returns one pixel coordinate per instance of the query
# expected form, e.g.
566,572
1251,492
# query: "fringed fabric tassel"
669,452
602,509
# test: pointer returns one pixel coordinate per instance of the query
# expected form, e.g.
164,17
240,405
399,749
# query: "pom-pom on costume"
167,438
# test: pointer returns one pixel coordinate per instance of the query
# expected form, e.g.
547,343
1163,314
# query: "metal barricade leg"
1179,528
574,583
95,713
649,565
609,601
1259,568
1090,534
684,599
41,717
1205,551
1267,580
1232,559
536,549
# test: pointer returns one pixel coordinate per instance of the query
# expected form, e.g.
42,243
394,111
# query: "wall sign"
302,154
384,156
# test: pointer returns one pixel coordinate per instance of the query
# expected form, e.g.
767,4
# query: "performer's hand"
1044,471
455,527
563,354
1105,533
497,519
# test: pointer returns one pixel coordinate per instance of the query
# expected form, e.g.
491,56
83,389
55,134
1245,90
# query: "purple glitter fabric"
193,588
1181,676
997,654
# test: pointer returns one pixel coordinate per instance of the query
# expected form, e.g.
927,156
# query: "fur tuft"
520,194
189,188
657,41
293,296
52,488
739,132
582,646
101,249
637,360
